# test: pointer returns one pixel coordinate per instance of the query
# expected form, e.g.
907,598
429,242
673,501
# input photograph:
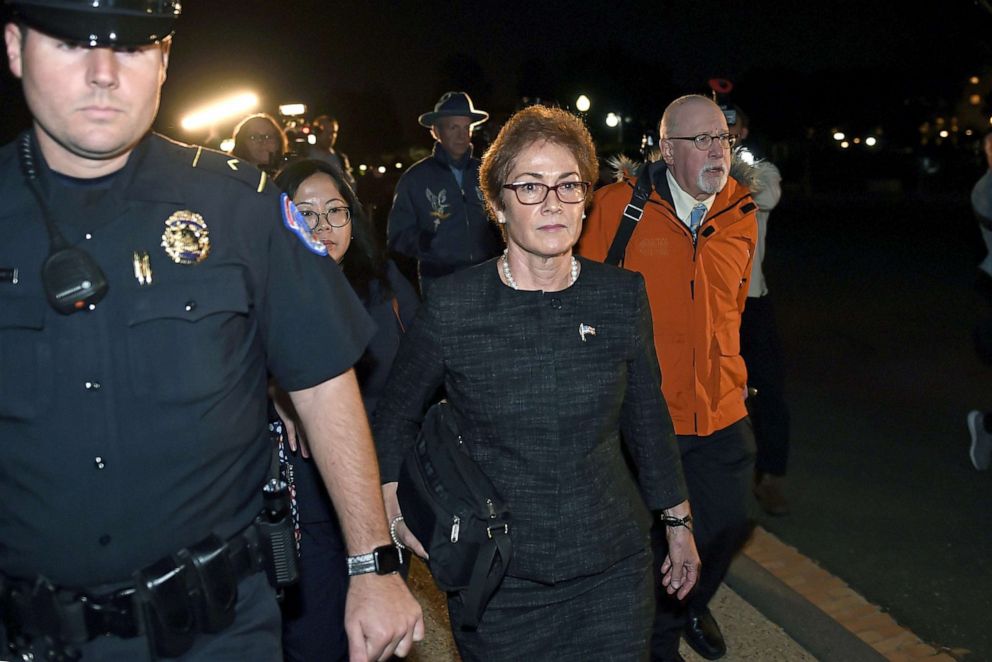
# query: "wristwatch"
381,560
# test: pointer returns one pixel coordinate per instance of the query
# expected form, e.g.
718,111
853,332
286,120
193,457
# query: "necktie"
695,218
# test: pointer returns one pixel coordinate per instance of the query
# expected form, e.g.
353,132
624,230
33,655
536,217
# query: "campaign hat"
454,104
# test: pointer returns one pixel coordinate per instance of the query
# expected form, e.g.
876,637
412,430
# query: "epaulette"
211,160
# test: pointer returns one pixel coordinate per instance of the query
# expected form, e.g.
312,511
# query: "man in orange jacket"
694,244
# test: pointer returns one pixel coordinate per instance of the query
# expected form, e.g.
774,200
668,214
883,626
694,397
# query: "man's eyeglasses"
704,140
261,137
534,193
336,217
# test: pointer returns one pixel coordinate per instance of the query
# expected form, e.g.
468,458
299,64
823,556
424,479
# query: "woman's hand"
290,421
403,534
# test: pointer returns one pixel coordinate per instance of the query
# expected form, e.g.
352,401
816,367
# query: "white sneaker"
981,441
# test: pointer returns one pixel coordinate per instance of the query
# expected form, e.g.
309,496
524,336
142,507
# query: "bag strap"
631,216
487,573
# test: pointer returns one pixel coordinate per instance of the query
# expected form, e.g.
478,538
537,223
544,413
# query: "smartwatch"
381,560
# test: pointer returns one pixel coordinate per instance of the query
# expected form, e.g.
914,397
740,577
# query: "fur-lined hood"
747,174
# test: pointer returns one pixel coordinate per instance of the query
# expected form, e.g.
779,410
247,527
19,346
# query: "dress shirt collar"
683,201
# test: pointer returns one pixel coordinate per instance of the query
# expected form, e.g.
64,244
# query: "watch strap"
363,564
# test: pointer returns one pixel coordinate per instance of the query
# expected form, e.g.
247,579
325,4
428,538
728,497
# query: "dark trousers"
313,609
718,471
761,348
600,617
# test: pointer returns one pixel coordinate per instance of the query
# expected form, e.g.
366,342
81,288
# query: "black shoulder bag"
631,216
455,511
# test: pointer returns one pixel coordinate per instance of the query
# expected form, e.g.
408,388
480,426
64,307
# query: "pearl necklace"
574,273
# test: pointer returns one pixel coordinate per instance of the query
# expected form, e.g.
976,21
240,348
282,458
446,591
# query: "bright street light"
612,120
582,104
293,109
209,115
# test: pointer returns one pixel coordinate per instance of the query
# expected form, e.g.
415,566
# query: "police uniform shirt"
137,428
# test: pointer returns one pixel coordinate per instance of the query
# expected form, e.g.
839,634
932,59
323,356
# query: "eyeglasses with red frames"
534,193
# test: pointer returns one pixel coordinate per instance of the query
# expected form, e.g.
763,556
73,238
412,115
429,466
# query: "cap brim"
96,29
428,119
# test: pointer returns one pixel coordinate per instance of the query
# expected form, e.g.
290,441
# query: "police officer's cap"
119,23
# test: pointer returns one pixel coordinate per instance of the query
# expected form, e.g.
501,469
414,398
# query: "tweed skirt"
606,616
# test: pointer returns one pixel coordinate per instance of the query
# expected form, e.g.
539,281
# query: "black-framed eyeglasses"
704,140
336,217
534,193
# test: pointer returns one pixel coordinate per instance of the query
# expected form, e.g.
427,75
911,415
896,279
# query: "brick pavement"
838,600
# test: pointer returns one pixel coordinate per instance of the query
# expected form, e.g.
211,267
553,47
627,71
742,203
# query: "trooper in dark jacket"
438,216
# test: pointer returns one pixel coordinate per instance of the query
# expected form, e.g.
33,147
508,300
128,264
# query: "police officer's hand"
381,618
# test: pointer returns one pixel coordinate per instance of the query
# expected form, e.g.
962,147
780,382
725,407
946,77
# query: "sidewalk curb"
818,610
809,626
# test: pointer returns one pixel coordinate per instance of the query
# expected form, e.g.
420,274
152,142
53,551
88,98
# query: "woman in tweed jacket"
548,362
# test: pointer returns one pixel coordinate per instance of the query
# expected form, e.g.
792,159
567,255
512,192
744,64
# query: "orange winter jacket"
697,294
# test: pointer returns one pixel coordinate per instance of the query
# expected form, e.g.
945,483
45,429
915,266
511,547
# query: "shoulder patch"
293,220
213,161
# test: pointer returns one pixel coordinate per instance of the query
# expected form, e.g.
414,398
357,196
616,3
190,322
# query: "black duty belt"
171,601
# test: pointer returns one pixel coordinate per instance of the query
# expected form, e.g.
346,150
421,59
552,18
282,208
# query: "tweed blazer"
544,385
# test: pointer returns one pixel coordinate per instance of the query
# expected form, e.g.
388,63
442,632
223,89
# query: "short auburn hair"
535,124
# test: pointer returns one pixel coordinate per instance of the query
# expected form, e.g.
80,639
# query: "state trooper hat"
122,23
454,104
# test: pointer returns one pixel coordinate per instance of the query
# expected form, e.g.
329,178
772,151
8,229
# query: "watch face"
387,559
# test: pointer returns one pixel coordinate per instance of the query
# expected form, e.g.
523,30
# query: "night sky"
379,65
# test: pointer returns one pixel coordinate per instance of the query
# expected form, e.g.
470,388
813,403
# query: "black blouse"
544,385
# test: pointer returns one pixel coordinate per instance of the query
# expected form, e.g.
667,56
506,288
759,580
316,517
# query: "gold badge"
186,238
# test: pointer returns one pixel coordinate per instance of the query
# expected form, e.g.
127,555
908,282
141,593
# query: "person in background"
980,423
438,217
313,613
132,472
325,130
548,362
761,346
259,140
694,246
981,204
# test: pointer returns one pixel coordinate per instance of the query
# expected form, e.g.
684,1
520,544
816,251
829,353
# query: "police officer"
147,291
438,217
